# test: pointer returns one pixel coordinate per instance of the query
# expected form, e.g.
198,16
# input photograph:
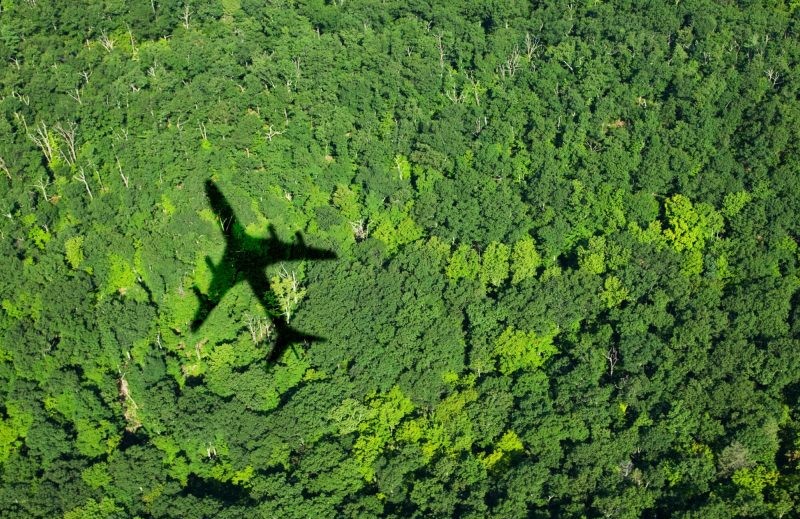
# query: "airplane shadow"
245,260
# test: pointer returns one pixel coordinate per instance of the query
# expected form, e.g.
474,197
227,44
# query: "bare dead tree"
612,356
187,13
21,120
134,50
289,292
296,62
41,137
773,76
400,163
211,451
26,100
41,184
260,328
532,45
512,62
121,174
106,42
128,404
5,168
81,177
454,96
270,133
198,348
510,66
68,136
203,132
103,188
121,134
360,229
76,95
475,88
440,48
480,124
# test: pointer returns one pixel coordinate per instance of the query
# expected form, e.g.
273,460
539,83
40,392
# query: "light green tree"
495,266
464,264
13,429
516,350
74,251
593,258
614,293
690,225
525,260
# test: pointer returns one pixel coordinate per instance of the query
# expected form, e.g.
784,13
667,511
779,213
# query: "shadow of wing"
205,308
221,282
300,251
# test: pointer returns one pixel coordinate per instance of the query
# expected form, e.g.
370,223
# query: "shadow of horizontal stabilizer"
287,336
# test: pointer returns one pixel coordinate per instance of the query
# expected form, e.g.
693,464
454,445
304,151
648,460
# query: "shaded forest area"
566,281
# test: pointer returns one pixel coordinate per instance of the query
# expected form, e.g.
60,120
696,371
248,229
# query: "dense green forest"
566,277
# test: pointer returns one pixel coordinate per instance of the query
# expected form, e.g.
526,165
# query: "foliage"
566,281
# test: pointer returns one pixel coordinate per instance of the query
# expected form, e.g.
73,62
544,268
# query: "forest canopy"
566,259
